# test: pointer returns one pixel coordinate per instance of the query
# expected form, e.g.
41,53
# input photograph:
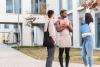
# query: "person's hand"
64,25
70,27
53,40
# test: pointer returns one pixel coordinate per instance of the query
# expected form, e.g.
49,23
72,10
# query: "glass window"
81,19
0,26
81,15
42,6
69,2
34,4
13,6
17,6
70,17
6,26
97,20
38,6
15,26
9,6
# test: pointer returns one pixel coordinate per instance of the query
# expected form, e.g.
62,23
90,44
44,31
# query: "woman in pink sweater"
65,38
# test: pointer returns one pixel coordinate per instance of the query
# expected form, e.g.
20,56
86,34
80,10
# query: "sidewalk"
10,57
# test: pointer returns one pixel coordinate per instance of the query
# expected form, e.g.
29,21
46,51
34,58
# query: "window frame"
6,26
38,7
69,5
13,8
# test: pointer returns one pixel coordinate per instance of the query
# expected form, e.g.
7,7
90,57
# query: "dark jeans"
61,50
50,56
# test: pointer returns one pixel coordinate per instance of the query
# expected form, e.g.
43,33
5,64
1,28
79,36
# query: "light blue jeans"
87,51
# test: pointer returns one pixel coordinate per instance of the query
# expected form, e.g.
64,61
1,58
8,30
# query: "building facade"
13,23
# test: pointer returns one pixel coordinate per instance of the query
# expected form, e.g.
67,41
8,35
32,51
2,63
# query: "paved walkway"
10,57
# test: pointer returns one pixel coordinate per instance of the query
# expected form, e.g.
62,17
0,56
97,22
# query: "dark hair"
50,13
88,18
62,11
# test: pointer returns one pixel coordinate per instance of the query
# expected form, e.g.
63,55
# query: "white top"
92,33
51,28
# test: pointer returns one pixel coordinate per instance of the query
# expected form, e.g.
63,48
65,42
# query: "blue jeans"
87,51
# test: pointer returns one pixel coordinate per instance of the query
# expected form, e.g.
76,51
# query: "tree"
30,20
90,4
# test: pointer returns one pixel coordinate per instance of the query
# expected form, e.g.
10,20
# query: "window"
6,26
15,26
38,6
42,6
70,17
81,19
13,6
81,15
34,6
17,6
9,6
69,2
97,20
0,26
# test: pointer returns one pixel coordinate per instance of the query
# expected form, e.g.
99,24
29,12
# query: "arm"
70,27
91,25
86,34
59,27
57,24
52,31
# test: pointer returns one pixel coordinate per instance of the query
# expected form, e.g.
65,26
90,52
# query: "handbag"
48,41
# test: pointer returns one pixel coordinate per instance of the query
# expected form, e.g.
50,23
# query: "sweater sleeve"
92,28
52,31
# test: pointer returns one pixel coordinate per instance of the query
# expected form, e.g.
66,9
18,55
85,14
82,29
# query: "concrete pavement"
10,57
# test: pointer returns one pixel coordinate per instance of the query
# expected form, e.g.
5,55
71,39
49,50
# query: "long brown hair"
88,18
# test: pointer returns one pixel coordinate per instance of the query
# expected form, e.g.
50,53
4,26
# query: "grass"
40,53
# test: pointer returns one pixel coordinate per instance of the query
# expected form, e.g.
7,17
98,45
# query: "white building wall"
26,35
26,32
94,37
38,35
13,18
26,8
76,34
53,5
2,7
